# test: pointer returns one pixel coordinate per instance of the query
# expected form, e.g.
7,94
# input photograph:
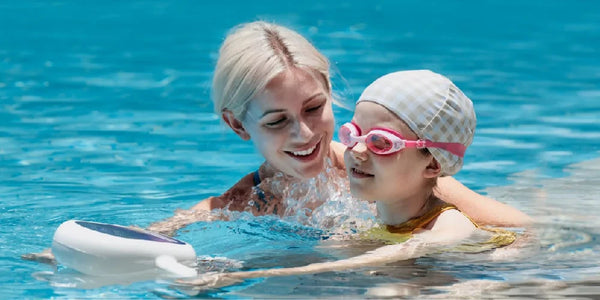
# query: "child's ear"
235,124
433,169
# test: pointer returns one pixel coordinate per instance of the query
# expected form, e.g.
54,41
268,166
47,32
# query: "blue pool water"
105,116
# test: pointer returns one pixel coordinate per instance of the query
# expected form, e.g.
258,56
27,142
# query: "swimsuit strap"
256,178
400,233
420,222
259,192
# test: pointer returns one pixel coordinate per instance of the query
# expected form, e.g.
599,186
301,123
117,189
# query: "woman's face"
385,178
292,124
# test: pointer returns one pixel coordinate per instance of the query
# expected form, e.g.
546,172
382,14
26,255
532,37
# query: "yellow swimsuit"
394,234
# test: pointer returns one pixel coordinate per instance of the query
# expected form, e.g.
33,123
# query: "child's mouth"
360,174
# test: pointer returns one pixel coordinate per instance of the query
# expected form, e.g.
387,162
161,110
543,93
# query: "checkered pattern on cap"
432,106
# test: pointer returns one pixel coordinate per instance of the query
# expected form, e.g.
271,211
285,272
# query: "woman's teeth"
305,152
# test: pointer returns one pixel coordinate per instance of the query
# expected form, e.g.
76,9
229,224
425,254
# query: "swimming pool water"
105,116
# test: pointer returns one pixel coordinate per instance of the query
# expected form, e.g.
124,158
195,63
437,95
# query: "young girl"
409,129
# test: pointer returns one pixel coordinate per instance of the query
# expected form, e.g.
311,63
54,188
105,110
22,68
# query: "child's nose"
359,151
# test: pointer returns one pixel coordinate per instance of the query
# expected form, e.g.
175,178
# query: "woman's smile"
307,154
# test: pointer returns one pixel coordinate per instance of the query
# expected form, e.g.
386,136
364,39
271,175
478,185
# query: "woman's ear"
433,168
235,124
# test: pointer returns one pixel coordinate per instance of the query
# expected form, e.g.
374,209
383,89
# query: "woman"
272,86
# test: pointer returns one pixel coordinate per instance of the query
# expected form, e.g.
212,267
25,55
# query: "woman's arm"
387,254
236,198
481,209
45,256
168,227
182,218
450,228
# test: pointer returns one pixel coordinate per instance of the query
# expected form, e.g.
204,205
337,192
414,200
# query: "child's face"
384,177
292,124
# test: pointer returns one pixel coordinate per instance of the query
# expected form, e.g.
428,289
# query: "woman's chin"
310,173
312,170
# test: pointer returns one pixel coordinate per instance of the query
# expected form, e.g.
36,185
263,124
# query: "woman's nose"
303,130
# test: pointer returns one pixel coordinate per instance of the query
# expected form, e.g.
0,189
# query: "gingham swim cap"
432,106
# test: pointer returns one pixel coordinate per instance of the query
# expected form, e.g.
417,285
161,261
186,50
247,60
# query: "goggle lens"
345,136
378,143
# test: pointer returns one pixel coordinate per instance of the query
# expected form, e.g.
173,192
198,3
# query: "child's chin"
361,194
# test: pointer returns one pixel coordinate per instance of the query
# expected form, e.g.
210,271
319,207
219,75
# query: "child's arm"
481,209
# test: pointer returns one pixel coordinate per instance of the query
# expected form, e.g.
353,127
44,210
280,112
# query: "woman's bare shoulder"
235,198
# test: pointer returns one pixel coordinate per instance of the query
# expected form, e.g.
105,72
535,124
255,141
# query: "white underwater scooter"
108,250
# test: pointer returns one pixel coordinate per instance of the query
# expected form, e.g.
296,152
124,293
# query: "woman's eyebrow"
317,95
278,110
270,111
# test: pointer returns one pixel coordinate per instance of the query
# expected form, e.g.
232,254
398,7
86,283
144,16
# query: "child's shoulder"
453,220
454,216
450,226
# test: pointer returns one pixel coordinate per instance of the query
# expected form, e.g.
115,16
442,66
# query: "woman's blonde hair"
255,53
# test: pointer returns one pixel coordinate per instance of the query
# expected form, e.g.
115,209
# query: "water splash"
323,202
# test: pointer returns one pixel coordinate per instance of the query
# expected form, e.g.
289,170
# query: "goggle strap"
457,149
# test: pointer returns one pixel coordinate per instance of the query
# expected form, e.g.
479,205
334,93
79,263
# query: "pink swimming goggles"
383,141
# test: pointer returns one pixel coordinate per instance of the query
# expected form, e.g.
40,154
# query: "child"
409,128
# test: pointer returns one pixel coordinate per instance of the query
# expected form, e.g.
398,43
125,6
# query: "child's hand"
45,257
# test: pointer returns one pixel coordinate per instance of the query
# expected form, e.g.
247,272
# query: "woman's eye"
276,123
314,108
